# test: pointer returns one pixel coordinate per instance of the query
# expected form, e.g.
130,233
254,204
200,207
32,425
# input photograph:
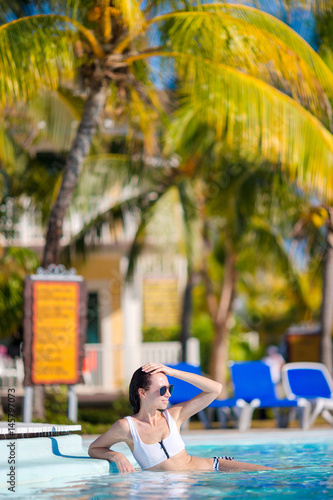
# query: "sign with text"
54,330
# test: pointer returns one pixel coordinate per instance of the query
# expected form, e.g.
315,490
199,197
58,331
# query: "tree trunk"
327,300
186,315
74,163
39,402
219,357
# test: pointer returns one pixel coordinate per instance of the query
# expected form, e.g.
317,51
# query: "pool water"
314,480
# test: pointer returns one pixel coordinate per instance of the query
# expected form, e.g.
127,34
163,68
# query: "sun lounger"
184,391
313,382
253,383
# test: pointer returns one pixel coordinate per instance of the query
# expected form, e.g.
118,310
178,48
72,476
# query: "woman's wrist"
172,372
113,456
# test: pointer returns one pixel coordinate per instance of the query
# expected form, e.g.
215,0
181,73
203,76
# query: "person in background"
275,361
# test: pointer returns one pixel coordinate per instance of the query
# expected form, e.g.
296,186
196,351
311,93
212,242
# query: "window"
92,319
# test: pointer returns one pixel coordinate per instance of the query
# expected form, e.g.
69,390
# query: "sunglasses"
164,388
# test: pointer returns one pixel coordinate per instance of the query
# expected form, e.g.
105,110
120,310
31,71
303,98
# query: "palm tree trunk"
186,315
220,348
327,301
74,163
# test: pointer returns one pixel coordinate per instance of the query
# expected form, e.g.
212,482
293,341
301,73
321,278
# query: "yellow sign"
161,302
55,325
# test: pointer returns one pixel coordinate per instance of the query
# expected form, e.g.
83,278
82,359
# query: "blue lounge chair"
253,383
313,382
184,391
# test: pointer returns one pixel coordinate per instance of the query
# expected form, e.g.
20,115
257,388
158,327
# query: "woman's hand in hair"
153,368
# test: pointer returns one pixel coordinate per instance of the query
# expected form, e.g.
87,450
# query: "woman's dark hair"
140,380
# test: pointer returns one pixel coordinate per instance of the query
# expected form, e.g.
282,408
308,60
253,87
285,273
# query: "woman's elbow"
218,388
91,451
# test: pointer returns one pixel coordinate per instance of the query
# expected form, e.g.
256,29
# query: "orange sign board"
55,326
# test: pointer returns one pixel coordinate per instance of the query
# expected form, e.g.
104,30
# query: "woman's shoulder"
121,427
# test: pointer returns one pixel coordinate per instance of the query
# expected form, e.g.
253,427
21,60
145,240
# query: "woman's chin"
163,406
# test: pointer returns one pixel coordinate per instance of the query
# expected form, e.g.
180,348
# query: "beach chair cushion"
307,380
252,381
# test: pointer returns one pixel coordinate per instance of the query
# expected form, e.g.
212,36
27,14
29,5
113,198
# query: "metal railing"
169,353
11,373
100,362
161,352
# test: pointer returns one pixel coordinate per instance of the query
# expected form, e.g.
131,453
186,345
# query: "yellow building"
118,309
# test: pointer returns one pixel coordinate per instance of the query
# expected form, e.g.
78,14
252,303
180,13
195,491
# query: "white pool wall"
46,458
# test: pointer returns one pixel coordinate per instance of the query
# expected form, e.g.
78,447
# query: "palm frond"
58,118
100,173
256,120
189,217
37,52
131,15
143,118
7,149
316,6
274,26
272,245
139,240
13,162
155,8
138,203
216,34
34,53
15,9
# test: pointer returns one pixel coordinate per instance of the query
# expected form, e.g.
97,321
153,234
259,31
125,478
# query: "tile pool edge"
253,437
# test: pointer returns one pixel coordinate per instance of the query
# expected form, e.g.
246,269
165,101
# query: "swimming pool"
312,449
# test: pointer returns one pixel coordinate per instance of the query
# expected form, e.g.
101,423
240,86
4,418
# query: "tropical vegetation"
260,94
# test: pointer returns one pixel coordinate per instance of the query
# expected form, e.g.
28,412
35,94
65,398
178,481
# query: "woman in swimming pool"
152,433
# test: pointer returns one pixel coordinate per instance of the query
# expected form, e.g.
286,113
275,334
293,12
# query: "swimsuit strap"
216,464
134,432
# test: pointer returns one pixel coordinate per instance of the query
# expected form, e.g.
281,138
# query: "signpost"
55,311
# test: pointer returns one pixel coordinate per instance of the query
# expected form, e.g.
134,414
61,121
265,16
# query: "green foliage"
324,30
107,415
15,264
56,404
203,330
93,420
157,334
239,348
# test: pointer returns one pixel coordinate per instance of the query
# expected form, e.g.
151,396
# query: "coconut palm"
318,30
111,45
231,222
260,89
239,226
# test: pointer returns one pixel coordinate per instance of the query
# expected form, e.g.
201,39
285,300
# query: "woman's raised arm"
210,390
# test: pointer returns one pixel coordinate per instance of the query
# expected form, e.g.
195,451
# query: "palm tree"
237,222
231,220
111,45
260,89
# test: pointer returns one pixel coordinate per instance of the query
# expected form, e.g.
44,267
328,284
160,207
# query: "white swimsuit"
149,455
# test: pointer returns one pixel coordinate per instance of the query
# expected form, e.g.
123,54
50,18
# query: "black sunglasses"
164,388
